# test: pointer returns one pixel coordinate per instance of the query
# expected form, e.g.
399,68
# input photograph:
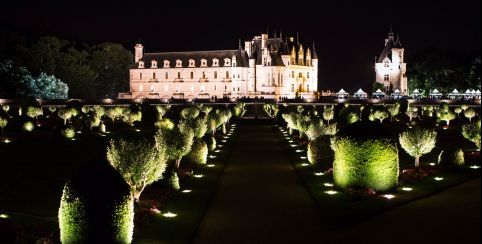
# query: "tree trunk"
290,131
417,161
224,128
178,163
328,122
136,195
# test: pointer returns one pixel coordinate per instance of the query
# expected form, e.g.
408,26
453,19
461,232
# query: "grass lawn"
340,210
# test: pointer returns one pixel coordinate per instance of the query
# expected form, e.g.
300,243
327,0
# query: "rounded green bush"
451,156
319,151
28,126
199,152
365,161
68,132
96,207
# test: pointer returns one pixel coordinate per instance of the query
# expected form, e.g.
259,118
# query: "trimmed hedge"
320,152
199,152
96,207
365,162
451,156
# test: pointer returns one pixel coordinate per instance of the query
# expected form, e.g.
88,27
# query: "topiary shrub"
319,152
173,181
365,156
199,152
451,157
28,126
96,207
68,132
211,142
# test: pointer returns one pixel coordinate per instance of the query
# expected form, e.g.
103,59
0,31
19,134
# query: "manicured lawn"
340,210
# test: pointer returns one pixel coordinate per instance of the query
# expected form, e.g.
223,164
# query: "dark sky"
348,34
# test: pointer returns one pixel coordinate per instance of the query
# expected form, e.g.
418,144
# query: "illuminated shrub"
68,132
199,152
164,124
102,127
96,207
3,123
28,126
451,156
365,157
239,110
34,112
319,152
472,133
211,142
173,181
469,113
190,112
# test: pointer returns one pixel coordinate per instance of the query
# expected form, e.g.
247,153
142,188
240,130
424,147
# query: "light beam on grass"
331,192
407,189
319,173
169,215
198,175
438,178
328,184
388,196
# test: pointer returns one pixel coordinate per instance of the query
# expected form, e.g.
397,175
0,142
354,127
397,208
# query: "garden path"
260,198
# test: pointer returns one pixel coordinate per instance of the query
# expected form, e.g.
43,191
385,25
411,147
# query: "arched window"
308,75
292,87
300,75
292,74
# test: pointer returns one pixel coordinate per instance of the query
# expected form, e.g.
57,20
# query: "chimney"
139,51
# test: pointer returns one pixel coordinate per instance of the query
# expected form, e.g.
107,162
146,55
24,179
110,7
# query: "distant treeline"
90,71
444,71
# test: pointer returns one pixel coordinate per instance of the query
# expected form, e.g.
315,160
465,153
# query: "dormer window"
166,63
141,64
178,63
227,62
204,62
233,62
215,62
153,64
192,63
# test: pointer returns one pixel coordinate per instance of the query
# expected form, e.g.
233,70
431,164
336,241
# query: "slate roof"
387,50
241,58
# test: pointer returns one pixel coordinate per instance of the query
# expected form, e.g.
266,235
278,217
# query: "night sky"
348,34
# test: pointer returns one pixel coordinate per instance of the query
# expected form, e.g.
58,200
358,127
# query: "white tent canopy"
342,91
455,92
360,91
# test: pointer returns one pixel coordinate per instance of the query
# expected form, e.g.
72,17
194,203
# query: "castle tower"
390,66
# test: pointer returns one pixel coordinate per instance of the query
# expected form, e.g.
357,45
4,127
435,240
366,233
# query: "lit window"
153,75
179,75
140,76
292,74
386,77
227,62
292,87
141,87
227,74
307,87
